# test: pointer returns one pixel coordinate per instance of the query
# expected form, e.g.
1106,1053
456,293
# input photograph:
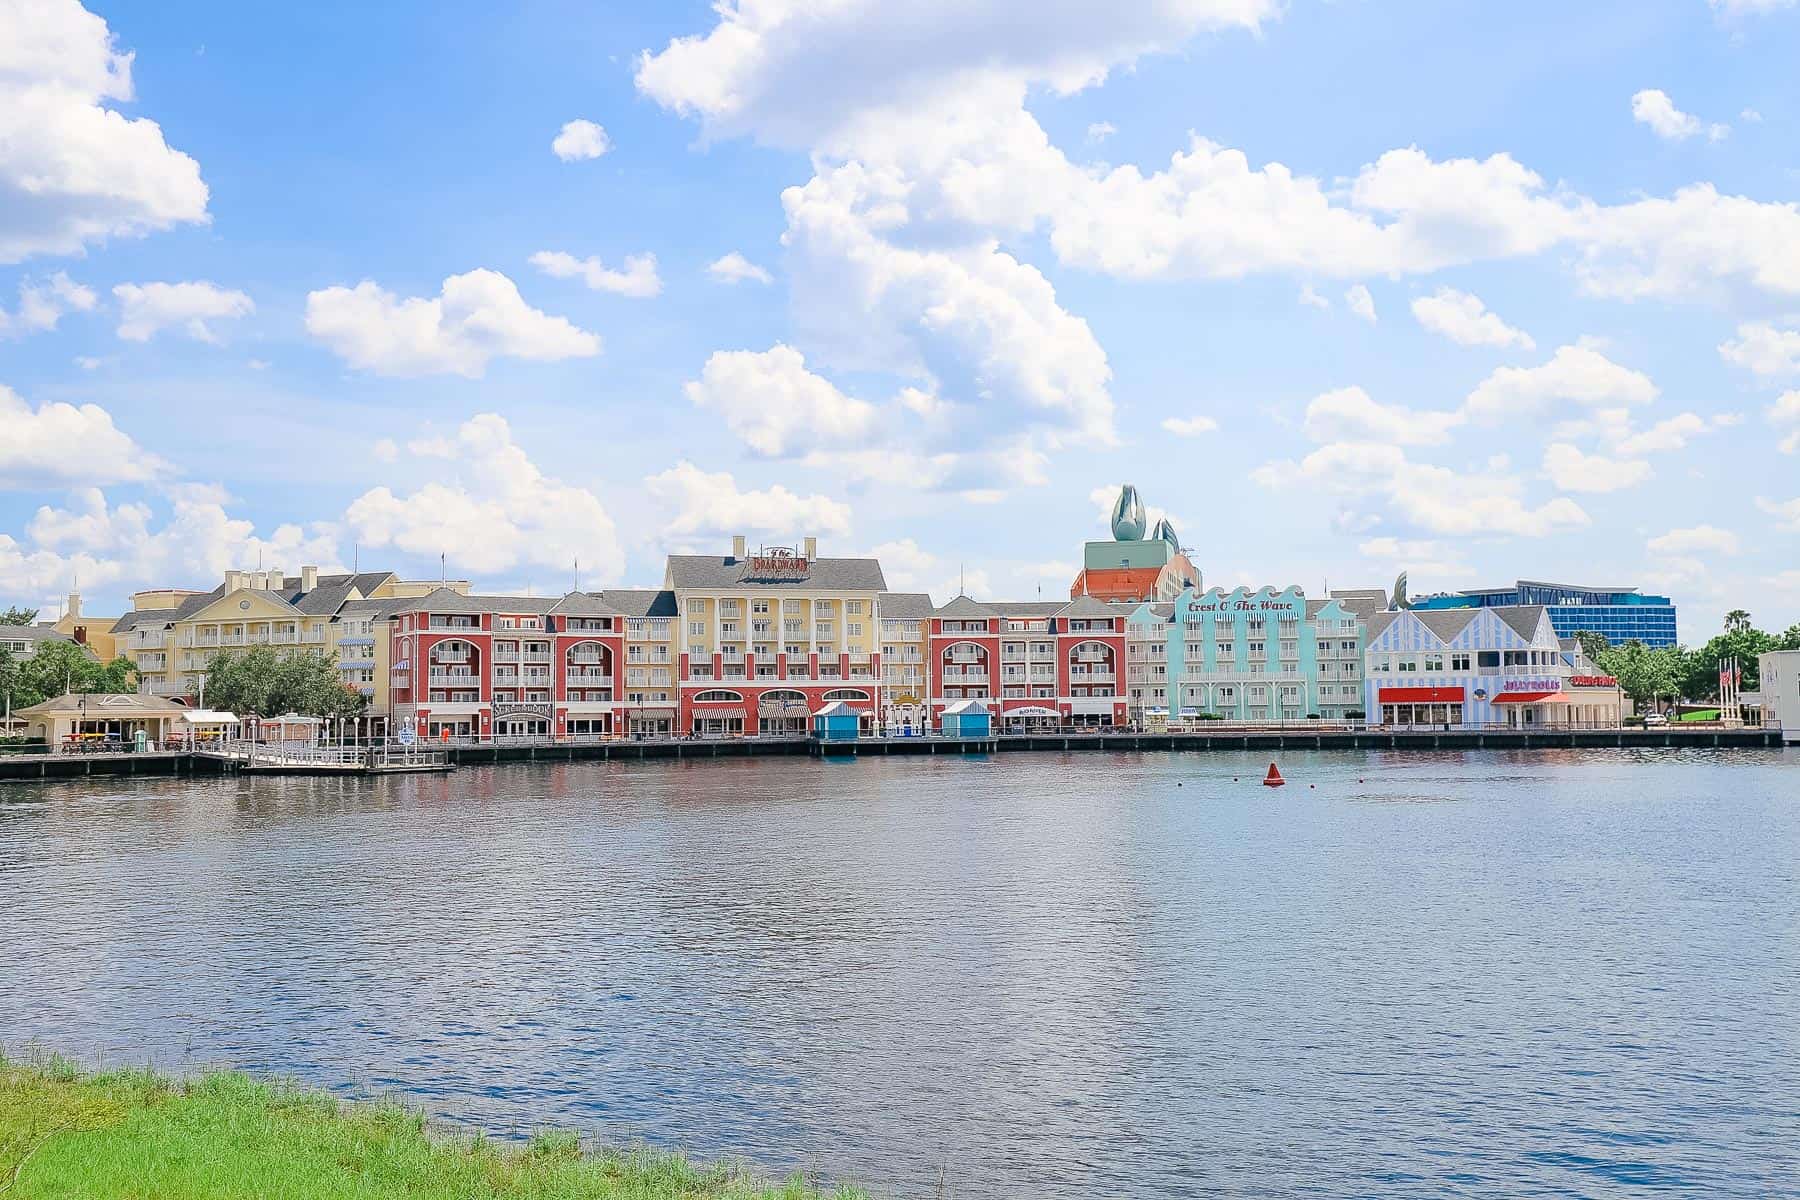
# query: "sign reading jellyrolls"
1593,681
1532,683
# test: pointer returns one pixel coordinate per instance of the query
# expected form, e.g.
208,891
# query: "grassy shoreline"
123,1135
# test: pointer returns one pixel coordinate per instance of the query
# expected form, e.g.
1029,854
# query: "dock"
364,761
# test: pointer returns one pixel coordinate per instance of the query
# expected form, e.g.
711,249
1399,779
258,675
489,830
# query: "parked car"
1654,719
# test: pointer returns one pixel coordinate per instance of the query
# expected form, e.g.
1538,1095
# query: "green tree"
1740,641
260,682
1592,644
1789,640
1737,621
59,667
18,616
1646,675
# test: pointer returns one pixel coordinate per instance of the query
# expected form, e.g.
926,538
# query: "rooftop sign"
776,562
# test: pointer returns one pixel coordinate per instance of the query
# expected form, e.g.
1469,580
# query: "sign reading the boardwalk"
775,562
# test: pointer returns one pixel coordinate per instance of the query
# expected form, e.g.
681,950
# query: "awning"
1032,710
201,716
1531,698
1088,706
1420,695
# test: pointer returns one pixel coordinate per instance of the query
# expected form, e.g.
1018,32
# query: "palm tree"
1737,621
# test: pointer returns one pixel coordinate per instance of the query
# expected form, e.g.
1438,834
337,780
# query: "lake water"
1484,974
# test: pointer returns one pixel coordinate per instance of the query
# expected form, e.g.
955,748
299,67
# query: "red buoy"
1273,778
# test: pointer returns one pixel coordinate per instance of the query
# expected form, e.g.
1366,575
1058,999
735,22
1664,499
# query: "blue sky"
1476,291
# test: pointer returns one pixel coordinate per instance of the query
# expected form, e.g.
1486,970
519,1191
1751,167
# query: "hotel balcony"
964,678
1090,677
581,678
454,678
467,624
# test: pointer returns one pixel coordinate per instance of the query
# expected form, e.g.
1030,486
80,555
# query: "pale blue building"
1243,655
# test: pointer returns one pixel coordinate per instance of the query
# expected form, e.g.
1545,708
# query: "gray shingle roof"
905,606
643,602
1523,618
1085,606
443,600
32,633
1446,623
585,604
713,572
1378,622
962,606
143,616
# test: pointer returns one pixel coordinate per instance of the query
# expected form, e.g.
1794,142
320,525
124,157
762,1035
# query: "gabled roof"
643,602
709,572
1027,608
585,604
905,606
962,606
142,616
1524,619
444,600
32,633
1446,623
1379,622
1086,606
115,704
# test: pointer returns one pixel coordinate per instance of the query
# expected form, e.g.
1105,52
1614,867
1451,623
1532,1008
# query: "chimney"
272,579
74,613
234,580
309,578
812,549
737,546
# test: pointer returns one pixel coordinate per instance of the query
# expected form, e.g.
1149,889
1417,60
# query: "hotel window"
853,607
1290,649
1409,664
1255,649
853,629
729,607
760,606
1434,662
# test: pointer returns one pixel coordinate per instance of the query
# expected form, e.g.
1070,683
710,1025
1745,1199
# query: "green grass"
126,1135
1704,714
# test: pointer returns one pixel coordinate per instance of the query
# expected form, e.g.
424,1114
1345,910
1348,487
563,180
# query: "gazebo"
101,717
205,724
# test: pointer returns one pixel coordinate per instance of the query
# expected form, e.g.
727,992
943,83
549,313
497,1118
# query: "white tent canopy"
207,716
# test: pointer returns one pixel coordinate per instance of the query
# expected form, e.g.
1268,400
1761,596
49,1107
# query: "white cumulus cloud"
1764,348
1351,415
42,303
639,278
1465,320
1359,301
707,504
478,316
1577,374
578,140
770,400
1572,470
1653,107
57,445
1190,426
1697,539
146,309
1784,415
74,171
735,268
490,509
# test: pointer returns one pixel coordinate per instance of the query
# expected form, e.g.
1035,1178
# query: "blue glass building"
1622,614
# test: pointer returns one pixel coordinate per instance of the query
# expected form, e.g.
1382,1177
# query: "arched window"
847,694
718,696
784,696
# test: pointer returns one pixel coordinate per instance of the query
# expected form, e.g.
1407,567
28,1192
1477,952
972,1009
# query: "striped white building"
1466,667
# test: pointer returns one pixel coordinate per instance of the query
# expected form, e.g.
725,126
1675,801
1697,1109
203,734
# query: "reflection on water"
1508,974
